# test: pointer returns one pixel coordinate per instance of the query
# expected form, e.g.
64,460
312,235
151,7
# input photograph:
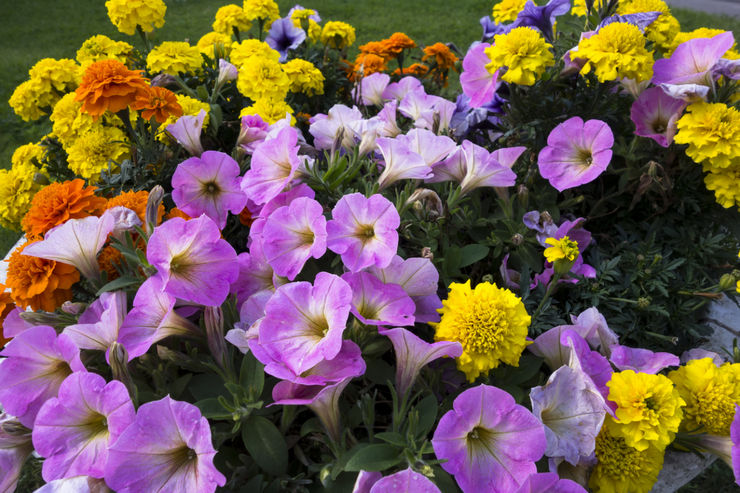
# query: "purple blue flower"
284,36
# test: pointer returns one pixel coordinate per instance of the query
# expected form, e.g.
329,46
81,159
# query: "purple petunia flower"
152,318
413,353
572,410
415,104
37,363
371,89
576,153
542,224
735,437
303,324
97,328
420,279
284,36
377,303
400,162
641,360
292,234
399,90
273,166
593,364
406,481
477,82
73,430
639,19
655,114
337,124
14,450
193,262
186,131
208,185
692,61
431,147
490,442
549,482
542,17
363,231
439,118
76,484
166,448
253,130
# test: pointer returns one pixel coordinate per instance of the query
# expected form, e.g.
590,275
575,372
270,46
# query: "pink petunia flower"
476,81
97,328
186,131
576,153
14,450
377,303
273,166
655,114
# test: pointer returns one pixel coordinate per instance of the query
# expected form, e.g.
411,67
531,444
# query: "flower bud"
152,207
73,308
214,322
119,365
727,282
226,72
517,239
522,193
428,200
426,252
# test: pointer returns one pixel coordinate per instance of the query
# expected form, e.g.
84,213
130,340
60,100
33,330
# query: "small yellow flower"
648,408
710,394
230,17
490,322
725,183
523,52
507,10
30,153
261,78
621,468
337,34
616,51
267,10
564,248
712,131
270,110
100,47
304,77
127,14
173,57
96,150
215,45
241,52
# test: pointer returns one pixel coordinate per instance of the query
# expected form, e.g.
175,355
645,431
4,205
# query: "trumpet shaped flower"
193,262
274,164
284,36
400,162
98,326
14,450
377,303
477,82
166,448
692,61
186,131
73,430
655,114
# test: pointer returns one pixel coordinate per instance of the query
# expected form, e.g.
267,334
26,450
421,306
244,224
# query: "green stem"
550,290
147,43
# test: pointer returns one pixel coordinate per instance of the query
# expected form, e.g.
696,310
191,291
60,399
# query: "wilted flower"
489,442
576,153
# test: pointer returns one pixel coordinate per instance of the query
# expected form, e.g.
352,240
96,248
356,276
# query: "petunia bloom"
641,360
576,153
655,114
549,482
285,36
97,328
73,430
186,131
253,130
400,162
292,234
413,353
377,303
210,185
14,450
273,166
477,82
193,262
489,442
692,61
37,363
406,481
166,448
371,89
326,129
363,231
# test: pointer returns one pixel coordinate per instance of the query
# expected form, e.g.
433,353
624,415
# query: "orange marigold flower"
136,201
378,48
6,306
366,64
441,53
158,102
245,217
175,212
39,283
397,43
418,69
58,202
109,259
109,85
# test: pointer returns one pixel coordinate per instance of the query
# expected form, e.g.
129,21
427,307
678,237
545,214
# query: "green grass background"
36,29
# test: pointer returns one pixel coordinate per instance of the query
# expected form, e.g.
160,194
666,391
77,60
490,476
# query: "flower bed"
271,262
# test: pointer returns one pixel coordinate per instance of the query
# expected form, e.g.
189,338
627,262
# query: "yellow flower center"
714,409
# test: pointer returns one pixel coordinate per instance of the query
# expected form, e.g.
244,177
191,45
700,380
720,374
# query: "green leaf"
265,444
211,408
375,457
470,254
252,375
391,437
427,408
116,284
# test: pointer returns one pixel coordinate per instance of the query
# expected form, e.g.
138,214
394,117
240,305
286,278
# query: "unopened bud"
164,80
55,320
643,302
73,308
727,282
522,193
517,239
214,322
337,144
545,217
41,179
152,207
13,427
426,252
325,475
428,200
119,366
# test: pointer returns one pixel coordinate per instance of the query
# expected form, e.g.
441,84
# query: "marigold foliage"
490,322
616,51
523,52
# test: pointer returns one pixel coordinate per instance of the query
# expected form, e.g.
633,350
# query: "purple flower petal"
377,303
476,81
273,166
641,360
655,114
406,481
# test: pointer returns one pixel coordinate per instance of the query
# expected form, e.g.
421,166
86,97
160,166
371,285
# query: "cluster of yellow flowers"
49,80
18,185
173,57
100,47
127,15
663,29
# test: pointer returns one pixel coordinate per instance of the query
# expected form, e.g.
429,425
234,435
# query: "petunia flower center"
211,188
480,440
585,156
659,126
365,232
180,266
97,424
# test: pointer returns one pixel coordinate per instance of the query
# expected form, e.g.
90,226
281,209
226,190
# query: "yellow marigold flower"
564,248
338,34
241,52
68,120
100,47
507,10
210,42
621,468
490,322
702,32
270,110
262,9
25,103
56,75
314,31
579,7
17,188
712,131
304,77
92,152
663,29
725,183
173,57
710,394
648,408
230,17
261,77
127,14
300,17
29,154
523,52
616,51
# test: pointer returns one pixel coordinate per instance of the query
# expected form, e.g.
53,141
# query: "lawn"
36,29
